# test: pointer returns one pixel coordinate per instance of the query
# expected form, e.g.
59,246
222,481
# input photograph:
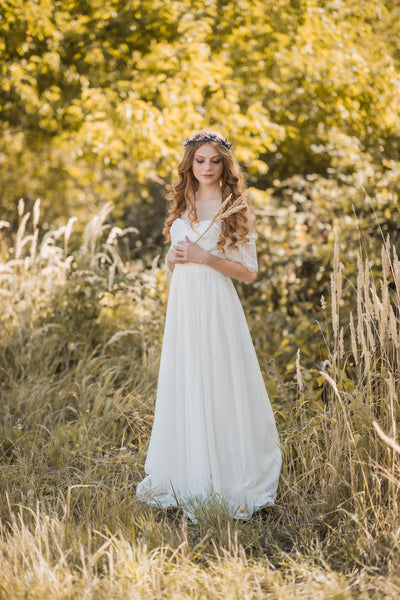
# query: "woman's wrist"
206,258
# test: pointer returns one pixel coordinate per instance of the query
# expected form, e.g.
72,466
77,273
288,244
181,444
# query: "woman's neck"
205,193
207,202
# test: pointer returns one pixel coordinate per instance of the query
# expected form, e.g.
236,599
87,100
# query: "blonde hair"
182,196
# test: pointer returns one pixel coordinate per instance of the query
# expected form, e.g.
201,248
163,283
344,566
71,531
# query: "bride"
214,436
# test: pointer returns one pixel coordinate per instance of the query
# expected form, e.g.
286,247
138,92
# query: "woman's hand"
185,251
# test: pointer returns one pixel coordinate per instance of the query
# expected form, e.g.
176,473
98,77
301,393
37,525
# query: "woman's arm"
185,251
231,268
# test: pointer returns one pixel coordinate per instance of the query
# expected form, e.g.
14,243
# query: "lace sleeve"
245,253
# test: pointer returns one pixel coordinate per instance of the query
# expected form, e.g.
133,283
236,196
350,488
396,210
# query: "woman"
214,433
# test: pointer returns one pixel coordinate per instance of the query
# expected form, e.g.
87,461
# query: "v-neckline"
198,221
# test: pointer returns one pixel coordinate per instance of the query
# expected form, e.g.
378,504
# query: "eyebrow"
202,156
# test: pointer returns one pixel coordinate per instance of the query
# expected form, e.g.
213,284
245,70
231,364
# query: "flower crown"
207,137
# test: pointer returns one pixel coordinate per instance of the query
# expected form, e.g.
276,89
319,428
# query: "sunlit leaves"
102,92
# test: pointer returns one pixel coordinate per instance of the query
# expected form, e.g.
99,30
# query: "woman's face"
207,165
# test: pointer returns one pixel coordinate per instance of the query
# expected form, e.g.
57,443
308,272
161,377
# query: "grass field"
79,346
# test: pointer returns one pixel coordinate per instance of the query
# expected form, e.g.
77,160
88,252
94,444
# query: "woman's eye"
216,162
199,161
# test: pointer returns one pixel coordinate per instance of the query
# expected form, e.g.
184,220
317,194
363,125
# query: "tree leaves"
96,95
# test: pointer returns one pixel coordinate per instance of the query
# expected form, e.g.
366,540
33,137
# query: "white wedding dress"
214,434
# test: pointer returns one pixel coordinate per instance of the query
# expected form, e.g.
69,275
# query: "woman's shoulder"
177,226
175,222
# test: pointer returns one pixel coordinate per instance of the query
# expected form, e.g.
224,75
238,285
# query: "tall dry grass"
79,346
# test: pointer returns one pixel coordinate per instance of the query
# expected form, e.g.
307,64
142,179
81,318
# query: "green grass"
77,398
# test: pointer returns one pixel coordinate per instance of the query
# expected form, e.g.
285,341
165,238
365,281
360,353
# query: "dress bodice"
181,228
244,252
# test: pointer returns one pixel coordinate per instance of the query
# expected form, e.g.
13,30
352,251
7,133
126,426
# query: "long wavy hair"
182,197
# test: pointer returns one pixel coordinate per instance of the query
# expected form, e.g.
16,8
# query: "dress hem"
239,505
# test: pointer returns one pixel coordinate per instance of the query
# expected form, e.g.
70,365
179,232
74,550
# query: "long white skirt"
214,433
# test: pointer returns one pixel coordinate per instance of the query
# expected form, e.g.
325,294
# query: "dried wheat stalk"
223,212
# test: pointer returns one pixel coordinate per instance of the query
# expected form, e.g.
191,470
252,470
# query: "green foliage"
96,96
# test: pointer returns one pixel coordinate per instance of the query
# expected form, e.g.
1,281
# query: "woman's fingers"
179,250
182,250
